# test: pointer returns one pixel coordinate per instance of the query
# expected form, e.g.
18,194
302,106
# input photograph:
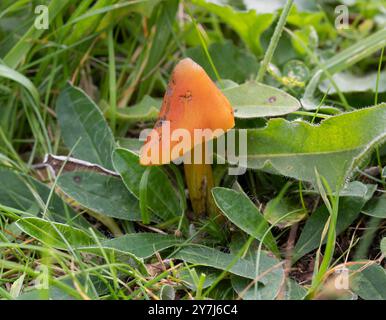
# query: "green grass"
122,52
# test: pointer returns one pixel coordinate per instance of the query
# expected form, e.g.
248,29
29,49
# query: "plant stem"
274,41
199,179
321,270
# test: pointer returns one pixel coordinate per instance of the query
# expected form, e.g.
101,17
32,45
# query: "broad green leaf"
347,82
165,204
383,246
63,288
167,292
333,148
52,293
306,35
205,256
276,209
17,286
252,100
248,24
11,230
26,194
191,276
244,64
147,109
342,61
307,13
82,123
115,255
143,203
142,245
368,282
267,291
376,207
241,211
104,194
294,291
349,209
269,286
249,100
54,234
133,144
226,84
355,189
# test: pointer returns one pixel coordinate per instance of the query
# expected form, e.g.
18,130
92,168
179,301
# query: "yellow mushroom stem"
199,179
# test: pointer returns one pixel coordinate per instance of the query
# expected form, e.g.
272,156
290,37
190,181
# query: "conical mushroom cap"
192,101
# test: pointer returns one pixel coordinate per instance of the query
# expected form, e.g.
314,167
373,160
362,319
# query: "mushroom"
194,111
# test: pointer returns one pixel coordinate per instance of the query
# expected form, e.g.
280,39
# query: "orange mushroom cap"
192,101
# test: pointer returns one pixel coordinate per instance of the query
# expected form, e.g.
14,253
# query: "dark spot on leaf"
77,179
272,99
